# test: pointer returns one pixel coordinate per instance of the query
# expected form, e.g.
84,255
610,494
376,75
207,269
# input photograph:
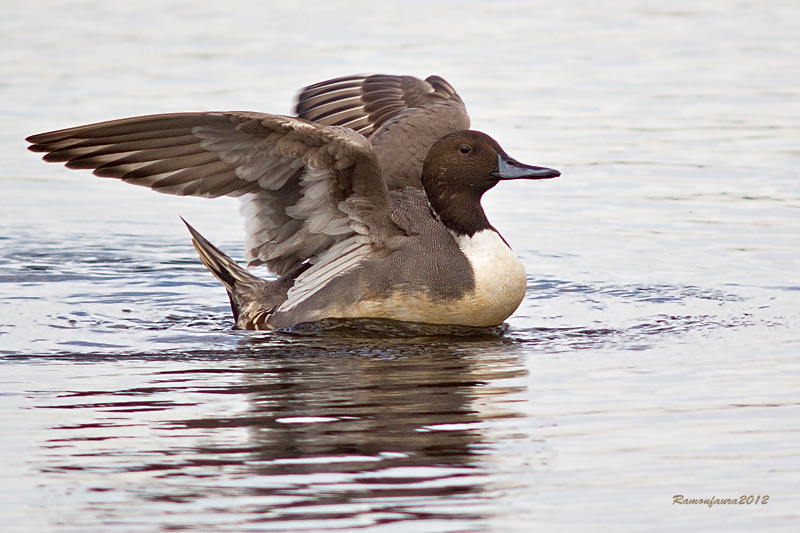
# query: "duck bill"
509,168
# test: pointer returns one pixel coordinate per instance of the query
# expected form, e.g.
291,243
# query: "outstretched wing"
401,115
305,187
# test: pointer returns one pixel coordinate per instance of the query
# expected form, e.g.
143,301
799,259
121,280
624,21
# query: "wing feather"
292,175
403,117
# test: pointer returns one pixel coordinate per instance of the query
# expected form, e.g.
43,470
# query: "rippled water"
656,353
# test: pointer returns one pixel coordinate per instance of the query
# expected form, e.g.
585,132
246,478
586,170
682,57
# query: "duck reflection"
373,430
327,430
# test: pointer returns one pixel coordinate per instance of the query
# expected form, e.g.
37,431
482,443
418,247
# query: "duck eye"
465,149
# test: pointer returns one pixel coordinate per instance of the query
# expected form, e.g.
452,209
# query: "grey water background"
656,354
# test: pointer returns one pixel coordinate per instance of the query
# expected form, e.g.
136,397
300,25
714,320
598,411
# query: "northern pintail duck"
366,205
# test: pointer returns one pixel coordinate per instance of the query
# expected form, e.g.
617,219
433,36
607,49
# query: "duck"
365,205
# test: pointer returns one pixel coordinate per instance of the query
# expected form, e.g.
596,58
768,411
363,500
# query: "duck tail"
240,284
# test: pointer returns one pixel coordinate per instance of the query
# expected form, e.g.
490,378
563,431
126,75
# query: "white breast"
500,281
499,288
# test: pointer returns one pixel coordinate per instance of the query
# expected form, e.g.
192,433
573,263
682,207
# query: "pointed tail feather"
237,281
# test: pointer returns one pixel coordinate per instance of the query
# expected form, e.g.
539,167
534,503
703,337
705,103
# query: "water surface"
656,352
